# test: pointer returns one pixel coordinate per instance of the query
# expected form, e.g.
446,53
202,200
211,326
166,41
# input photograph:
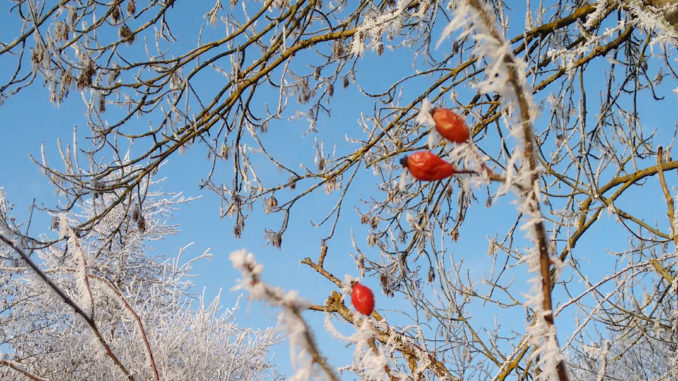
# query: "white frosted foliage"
138,314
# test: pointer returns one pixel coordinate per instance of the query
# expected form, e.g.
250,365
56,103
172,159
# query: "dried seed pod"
85,78
115,14
126,34
131,8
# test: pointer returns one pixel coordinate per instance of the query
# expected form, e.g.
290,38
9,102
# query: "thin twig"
662,271
670,208
17,368
136,317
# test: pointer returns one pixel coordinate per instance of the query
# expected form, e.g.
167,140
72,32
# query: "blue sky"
29,120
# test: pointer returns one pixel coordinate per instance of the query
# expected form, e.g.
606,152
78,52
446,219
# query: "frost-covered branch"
119,297
299,333
507,77
418,359
141,305
18,369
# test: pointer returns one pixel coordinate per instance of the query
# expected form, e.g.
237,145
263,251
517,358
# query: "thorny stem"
90,321
310,340
531,194
308,336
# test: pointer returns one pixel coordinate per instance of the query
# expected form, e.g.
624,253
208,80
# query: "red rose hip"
426,166
362,299
450,125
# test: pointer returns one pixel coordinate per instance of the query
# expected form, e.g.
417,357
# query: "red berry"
362,299
424,165
450,125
